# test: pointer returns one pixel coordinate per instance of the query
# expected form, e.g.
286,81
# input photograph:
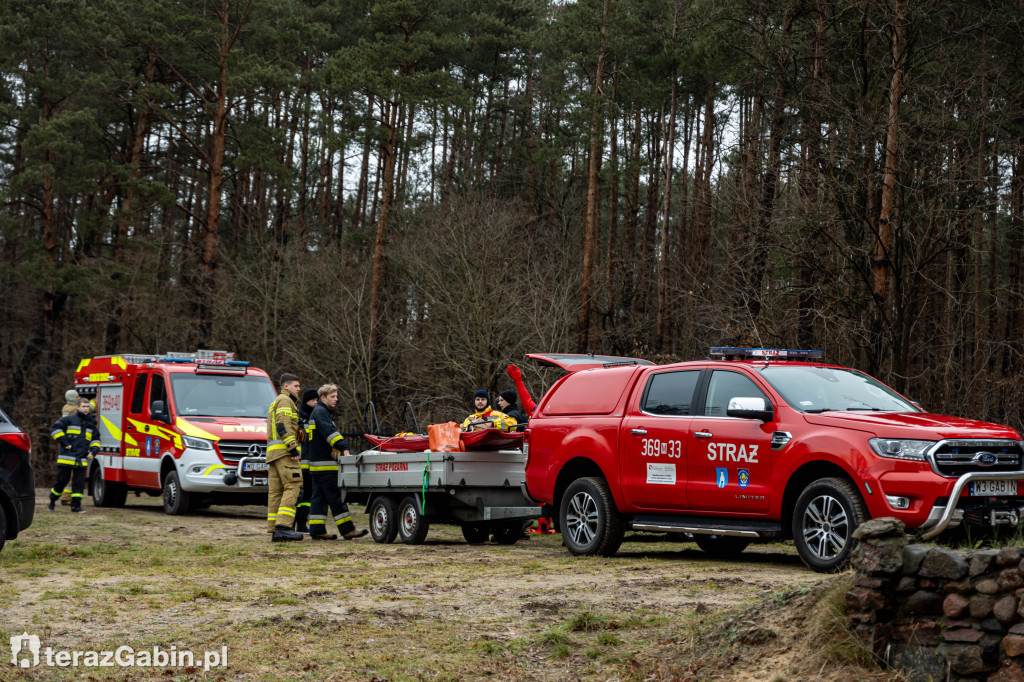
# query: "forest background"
405,196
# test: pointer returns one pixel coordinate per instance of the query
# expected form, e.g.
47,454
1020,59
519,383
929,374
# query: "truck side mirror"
158,411
750,408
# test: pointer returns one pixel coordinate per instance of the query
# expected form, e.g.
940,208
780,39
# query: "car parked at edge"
17,482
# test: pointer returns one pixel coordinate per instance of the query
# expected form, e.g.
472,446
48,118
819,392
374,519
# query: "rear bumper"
25,507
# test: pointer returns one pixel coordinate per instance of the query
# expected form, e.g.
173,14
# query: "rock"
913,555
862,599
918,662
906,584
880,557
980,607
964,586
861,580
1005,610
923,633
1010,671
981,562
955,606
924,602
1013,645
1011,579
1008,556
992,625
942,563
1017,629
883,527
965,659
988,586
967,635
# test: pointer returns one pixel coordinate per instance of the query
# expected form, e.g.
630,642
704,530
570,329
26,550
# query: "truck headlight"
197,443
895,448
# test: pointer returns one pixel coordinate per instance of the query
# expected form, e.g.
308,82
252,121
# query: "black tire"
176,500
826,514
106,493
589,520
3,527
412,525
721,545
476,533
508,533
383,520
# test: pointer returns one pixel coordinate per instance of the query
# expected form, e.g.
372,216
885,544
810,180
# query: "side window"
139,393
671,393
157,391
725,386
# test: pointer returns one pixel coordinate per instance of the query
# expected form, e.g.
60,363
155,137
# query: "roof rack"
734,353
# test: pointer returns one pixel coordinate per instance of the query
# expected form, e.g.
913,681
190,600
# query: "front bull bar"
958,488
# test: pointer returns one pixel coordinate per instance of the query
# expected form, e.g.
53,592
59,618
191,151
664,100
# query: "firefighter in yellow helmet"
285,472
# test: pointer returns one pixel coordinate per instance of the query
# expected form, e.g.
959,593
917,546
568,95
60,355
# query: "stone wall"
938,614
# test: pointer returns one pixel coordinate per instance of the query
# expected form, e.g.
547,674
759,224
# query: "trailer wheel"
508,533
589,521
476,533
383,525
176,500
826,514
107,493
412,526
721,545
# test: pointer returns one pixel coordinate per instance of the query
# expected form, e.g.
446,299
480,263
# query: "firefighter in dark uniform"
284,471
324,445
69,408
309,398
79,441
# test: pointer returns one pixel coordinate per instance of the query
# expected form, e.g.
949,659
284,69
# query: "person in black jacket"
325,443
309,398
79,441
507,404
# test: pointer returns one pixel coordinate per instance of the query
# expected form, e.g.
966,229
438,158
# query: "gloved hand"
514,372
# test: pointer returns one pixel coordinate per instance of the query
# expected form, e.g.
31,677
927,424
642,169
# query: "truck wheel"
508,533
412,526
107,493
721,545
590,523
826,514
383,527
476,533
176,500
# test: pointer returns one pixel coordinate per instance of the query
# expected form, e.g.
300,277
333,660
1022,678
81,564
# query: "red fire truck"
191,426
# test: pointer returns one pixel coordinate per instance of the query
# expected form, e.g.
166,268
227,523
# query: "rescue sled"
489,439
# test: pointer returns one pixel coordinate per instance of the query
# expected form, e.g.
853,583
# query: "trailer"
480,490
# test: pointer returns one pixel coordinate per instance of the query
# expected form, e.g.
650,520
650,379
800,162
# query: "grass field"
357,610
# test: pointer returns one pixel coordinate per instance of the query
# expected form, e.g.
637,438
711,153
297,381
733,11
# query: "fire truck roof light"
766,353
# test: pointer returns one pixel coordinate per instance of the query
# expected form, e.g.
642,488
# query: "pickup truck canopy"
573,362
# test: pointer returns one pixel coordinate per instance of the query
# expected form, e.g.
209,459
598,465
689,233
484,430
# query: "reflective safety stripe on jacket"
324,439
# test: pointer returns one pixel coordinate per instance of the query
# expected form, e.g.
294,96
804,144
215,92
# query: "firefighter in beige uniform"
284,472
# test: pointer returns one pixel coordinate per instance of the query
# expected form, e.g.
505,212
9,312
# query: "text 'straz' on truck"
757,445
189,426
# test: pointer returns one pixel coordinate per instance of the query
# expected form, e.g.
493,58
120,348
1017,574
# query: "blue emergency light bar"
202,361
767,353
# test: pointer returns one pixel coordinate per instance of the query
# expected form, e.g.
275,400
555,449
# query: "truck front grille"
953,458
233,450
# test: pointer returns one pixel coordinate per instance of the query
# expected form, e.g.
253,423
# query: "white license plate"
990,487
250,467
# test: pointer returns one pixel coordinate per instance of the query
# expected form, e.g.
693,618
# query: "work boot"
77,510
51,507
323,536
285,534
300,521
353,534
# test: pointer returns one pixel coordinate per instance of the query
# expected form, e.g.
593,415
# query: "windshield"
825,389
216,395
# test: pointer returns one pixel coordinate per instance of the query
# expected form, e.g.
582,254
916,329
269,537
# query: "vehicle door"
134,473
151,434
653,441
729,459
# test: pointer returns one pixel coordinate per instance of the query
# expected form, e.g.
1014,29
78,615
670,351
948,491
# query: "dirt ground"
359,610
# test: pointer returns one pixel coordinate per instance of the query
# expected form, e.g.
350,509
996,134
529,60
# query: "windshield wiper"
819,411
865,409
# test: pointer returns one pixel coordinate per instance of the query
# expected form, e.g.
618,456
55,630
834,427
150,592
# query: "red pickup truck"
756,445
